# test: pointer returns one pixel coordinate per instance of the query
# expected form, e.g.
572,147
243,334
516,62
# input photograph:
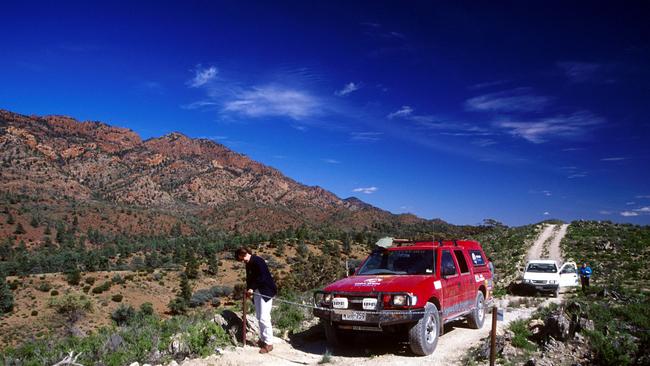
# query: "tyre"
423,336
556,293
477,316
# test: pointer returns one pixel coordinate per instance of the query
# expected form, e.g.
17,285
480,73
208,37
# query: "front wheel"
477,316
423,336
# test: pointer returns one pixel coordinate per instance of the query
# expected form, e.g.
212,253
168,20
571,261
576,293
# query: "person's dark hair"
242,251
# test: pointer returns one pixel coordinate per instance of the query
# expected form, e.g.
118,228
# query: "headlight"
552,282
323,299
404,300
399,300
327,298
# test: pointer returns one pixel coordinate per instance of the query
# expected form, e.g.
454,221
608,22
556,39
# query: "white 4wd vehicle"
544,275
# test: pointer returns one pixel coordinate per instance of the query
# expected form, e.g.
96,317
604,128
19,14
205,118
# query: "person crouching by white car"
260,285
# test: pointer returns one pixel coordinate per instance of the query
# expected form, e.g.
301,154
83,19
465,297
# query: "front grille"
539,282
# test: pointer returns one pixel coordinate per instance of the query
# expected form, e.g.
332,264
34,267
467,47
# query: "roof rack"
388,242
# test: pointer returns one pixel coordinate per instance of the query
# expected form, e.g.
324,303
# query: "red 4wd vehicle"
414,288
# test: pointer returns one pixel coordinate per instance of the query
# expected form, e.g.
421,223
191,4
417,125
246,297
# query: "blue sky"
518,111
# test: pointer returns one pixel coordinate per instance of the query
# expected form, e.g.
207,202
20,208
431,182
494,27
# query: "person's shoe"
260,343
266,348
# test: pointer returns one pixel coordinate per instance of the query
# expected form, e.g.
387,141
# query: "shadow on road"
361,344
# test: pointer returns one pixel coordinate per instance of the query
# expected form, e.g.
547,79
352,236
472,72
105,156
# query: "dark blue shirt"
585,271
259,278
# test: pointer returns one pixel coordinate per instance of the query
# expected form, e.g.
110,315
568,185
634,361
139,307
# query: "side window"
448,265
462,263
477,257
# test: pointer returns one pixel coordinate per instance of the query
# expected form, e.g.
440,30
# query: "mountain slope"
59,161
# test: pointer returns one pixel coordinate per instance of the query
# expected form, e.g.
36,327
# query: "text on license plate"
354,316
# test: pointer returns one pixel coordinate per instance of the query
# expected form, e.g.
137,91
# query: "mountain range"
110,179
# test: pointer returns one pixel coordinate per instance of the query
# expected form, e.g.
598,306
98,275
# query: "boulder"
178,345
234,326
558,326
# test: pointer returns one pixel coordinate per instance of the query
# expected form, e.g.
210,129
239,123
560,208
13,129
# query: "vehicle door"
451,286
467,284
569,275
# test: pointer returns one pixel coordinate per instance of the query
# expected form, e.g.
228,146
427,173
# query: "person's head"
243,254
584,264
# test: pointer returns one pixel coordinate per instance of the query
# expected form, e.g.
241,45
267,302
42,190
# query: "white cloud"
577,175
202,76
348,88
273,101
403,112
643,196
630,203
629,213
573,125
605,212
547,193
643,209
613,159
516,100
546,213
199,104
366,136
484,142
579,72
366,190
331,161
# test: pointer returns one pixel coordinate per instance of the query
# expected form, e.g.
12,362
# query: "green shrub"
54,293
44,286
521,334
101,288
146,309
177,306
204,336
73,277
117,279
86,289
90,280
34,313
117,297
123,314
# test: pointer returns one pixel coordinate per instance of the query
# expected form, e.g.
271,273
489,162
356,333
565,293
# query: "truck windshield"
399,262
542,267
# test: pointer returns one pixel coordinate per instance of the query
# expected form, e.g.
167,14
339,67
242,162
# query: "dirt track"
383,350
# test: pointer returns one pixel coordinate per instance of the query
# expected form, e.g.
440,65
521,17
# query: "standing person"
585,274
260,284
491,267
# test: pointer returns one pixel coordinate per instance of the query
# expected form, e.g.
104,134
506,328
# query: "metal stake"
493,343
243,328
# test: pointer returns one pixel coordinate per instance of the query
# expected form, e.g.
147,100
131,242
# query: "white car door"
569,275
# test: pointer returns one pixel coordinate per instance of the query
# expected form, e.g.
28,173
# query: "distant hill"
111,180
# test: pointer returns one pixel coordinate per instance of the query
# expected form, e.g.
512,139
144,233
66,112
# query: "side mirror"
351,271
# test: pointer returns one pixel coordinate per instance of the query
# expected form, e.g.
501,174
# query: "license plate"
354,316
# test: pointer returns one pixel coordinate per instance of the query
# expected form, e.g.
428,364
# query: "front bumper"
543,287
373,318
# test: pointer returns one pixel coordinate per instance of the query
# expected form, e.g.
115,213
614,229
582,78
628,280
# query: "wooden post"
243,327
493,342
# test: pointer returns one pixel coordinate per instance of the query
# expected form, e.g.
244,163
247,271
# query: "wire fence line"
486,304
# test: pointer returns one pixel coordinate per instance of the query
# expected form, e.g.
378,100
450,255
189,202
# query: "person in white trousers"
259,284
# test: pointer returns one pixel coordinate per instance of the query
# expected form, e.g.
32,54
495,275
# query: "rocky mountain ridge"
59,159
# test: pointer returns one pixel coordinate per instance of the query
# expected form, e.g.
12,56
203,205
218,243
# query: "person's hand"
249,293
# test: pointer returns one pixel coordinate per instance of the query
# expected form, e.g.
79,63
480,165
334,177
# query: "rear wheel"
423,336
477,316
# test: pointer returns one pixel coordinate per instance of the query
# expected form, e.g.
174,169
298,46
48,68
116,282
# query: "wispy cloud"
579,72
643,196
366,190
202,75
199,104
487,84
348,88
484,142
405,111
629,213
331,161
645,209
515,100
613,159
546,213
538,131
273,101
577,175
366,136
605,212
